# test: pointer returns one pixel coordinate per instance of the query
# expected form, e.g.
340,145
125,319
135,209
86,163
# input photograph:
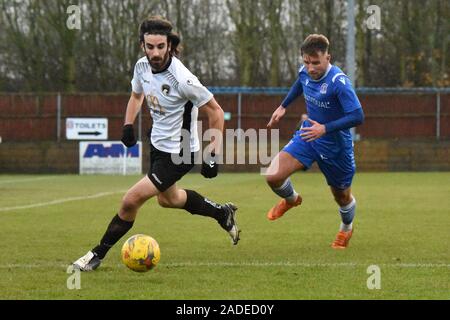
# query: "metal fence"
240,91
390,112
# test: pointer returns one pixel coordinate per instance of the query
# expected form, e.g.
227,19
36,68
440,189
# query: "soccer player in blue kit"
333,108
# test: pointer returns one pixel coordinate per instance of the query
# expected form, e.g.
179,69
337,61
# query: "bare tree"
232,42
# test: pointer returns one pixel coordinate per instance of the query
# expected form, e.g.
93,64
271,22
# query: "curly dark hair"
161,26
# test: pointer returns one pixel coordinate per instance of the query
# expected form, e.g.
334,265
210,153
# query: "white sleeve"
192,89
136,84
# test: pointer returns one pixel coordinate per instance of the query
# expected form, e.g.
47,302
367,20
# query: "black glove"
210,167
128,138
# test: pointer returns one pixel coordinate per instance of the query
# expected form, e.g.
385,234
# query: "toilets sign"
87,128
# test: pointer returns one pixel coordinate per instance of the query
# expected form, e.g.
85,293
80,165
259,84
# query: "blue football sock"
347,215
286,191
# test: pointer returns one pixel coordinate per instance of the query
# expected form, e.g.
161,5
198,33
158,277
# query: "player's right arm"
276,116
133,107
295,91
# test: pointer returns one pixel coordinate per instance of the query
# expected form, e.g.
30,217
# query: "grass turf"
402,225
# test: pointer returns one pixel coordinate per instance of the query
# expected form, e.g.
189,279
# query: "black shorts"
163,172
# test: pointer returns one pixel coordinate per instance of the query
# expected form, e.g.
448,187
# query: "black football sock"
198,204
116,229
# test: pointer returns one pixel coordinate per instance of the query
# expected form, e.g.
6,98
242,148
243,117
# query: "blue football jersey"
327,99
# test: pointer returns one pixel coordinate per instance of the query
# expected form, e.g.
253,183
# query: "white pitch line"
258,264
303,264
63,200
252,264
25,180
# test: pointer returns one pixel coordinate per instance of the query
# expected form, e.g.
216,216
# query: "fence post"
239,115
438,115
58,117
140,126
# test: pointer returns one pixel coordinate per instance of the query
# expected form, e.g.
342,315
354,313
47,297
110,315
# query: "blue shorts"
338,169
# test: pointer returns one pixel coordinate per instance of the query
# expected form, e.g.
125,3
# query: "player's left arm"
204,100
353,111
215,115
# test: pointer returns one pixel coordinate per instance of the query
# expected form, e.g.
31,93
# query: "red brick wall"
30,117
371,155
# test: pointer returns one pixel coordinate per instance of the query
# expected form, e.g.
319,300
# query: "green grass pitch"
402,226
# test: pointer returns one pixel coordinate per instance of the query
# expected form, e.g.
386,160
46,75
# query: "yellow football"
140,253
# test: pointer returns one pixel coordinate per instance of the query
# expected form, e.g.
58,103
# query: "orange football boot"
282,206
342,239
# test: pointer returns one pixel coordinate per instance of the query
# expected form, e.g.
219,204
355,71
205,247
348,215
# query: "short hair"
315,43
161,26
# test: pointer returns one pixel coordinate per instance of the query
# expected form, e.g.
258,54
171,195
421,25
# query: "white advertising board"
107,157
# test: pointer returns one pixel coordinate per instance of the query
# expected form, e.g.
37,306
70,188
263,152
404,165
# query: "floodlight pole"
350,52
350,48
